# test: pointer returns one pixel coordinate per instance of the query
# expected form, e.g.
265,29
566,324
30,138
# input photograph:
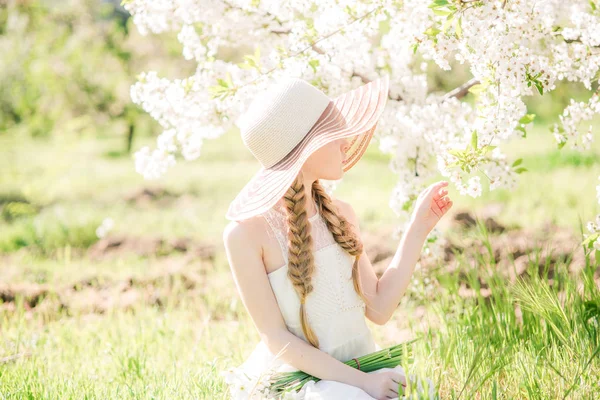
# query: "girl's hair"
300,259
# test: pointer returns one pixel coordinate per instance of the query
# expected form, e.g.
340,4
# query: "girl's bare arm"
245,260
384,293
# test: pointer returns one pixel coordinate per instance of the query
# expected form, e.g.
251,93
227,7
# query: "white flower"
166,141
495,182
106,225
511,48
152,165
474,188
243,386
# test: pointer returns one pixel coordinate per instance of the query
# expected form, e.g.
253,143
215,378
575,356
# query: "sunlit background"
112,286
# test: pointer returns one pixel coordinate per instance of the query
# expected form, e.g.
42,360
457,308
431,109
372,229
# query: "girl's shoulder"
344,208
251,231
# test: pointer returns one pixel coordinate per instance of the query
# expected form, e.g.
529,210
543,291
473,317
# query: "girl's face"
327,162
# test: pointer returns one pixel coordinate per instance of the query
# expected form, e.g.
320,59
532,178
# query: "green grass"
537,338
533,339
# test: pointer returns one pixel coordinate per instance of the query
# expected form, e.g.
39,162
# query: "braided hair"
300,256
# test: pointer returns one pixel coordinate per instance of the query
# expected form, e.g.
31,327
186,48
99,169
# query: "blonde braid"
341,230
300,259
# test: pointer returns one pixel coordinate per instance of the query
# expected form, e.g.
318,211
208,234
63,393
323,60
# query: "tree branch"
363,78
312,45
578,40
462,90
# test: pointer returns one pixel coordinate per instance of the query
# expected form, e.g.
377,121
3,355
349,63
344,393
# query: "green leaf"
477,89
561,145
438,3
432,31
252,61
593,5
590,239
487,148
458,29
474,140
517,162
456,153
448,22
314,64
188,84
442,11
222,83
539,87
527,119
520,128
217,91
415,47
519,170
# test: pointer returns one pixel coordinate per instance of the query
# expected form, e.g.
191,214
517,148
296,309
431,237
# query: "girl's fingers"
432,189
442,202
442,192
397,377
392,394
435,189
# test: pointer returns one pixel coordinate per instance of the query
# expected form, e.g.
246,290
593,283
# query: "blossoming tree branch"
513,48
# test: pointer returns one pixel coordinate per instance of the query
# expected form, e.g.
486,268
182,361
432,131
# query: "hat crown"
280,117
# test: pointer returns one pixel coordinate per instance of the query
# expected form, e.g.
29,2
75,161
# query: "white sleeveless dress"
335,313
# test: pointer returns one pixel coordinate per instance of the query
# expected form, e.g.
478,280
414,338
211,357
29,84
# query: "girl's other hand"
384,385
431,205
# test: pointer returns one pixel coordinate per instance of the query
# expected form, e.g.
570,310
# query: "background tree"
513,49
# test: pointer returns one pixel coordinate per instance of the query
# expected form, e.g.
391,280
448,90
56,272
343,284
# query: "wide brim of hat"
352,114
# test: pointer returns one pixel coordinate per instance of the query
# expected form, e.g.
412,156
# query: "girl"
296,252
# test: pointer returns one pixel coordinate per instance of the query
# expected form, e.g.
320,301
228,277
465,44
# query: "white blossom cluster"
573,115
245,386
593,228
513,48
242,386
568,132
105,227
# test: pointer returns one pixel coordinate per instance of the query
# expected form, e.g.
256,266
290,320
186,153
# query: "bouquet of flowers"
390,357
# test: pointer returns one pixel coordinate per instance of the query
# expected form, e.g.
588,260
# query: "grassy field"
151,311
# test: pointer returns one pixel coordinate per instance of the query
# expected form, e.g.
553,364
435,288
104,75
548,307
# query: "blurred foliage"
44,237
69,68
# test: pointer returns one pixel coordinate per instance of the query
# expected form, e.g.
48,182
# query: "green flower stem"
385,358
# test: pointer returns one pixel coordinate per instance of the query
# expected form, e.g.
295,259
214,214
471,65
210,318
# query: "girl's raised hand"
430,206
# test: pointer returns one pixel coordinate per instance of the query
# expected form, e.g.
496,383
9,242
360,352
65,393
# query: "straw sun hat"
292,119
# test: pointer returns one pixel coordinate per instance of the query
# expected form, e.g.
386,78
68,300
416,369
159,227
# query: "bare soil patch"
512,250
